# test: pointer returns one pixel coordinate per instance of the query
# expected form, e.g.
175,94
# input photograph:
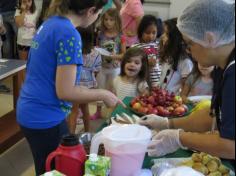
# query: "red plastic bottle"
70,157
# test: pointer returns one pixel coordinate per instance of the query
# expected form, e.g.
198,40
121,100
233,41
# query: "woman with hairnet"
208,28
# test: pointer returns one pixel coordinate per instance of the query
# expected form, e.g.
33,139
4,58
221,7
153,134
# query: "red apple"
179,111
143,110
151,99
137,106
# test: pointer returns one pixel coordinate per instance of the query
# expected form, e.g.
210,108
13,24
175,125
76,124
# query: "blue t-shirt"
56,43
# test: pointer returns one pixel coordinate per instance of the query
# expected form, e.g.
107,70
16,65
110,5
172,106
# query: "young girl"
131,15
134,74
111,39
53,68
199,82
149,30
176,64
26,19
91,66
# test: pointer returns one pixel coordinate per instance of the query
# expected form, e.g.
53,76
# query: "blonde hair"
114,13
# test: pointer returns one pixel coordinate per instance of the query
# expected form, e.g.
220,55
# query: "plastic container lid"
69,140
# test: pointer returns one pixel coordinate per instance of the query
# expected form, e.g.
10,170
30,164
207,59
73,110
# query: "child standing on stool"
110,38
91,66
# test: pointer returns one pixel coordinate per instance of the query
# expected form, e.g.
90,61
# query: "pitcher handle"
54,154
95,143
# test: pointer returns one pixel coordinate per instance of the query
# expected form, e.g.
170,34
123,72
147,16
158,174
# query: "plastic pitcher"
126,146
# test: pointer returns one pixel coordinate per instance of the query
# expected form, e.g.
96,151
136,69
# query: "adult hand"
165,142
155,122
111,99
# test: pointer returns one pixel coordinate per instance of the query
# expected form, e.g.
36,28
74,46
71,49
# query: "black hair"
174,49
132,52
147,21
45,6
87,35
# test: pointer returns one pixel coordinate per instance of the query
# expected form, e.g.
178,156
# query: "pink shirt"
131,10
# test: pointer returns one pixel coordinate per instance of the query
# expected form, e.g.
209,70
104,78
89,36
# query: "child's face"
150,34
205,71
109,22
27,4
133,66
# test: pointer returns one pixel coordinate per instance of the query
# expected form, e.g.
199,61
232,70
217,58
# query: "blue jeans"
8,44
44,141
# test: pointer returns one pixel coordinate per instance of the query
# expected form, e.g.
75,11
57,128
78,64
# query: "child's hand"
152,62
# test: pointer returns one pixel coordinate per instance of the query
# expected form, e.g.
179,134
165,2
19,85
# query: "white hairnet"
203,17
181,171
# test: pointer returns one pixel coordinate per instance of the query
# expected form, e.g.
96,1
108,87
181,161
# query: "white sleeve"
185,67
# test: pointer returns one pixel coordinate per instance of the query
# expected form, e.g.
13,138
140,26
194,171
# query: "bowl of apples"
159,102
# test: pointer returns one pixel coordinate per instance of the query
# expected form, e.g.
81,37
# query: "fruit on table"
159,102
207,165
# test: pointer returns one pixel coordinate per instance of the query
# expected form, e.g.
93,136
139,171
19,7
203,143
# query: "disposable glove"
165,142
155,122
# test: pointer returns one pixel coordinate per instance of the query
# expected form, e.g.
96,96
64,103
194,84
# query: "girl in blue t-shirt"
53,69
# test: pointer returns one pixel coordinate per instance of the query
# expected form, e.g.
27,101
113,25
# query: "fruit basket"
159,102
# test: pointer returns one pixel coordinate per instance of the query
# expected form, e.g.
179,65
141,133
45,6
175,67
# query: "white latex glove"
165,142
155,122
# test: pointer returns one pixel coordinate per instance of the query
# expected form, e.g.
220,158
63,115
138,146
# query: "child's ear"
92,11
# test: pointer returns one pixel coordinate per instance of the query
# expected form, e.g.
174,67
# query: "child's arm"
185,92
20,16
117,4
123,50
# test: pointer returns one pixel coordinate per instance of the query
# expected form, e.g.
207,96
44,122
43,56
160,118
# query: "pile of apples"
159,102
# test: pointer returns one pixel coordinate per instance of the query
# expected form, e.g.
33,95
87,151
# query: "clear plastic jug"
126,145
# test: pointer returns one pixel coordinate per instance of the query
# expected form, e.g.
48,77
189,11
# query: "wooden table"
9,130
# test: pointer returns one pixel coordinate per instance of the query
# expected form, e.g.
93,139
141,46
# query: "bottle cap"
93,157
70,140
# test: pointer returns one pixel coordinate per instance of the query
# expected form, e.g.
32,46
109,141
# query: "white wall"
166,11
177,6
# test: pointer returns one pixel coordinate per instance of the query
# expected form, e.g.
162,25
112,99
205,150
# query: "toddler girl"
149,30
111,39
26,17
134,75
91,66
199,82
176,64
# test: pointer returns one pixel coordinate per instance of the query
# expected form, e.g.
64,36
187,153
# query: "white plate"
103,51
199,98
